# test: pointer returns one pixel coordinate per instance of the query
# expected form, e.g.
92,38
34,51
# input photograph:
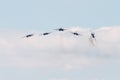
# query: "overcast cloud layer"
61,49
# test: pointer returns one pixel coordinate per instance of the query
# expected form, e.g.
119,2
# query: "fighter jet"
60,29
92,38
93,35
75,33
46,33
29,35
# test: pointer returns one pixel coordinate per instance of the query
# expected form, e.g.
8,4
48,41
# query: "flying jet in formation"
92,38
93,35
29,35
75,33
60,29
46,33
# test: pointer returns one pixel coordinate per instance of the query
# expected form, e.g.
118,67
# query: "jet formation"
92,35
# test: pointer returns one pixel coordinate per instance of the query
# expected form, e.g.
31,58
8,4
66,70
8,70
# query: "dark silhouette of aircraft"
47,33
60,29
92,39
44,34
75,33
29,35
93,35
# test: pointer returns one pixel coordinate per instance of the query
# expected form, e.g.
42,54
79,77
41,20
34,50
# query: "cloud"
61,49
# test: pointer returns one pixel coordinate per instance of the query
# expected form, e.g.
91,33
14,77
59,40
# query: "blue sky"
49,14
45,15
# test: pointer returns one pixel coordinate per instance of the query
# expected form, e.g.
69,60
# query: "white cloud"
61,49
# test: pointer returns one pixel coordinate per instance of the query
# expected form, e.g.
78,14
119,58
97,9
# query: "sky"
49,14
70,57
